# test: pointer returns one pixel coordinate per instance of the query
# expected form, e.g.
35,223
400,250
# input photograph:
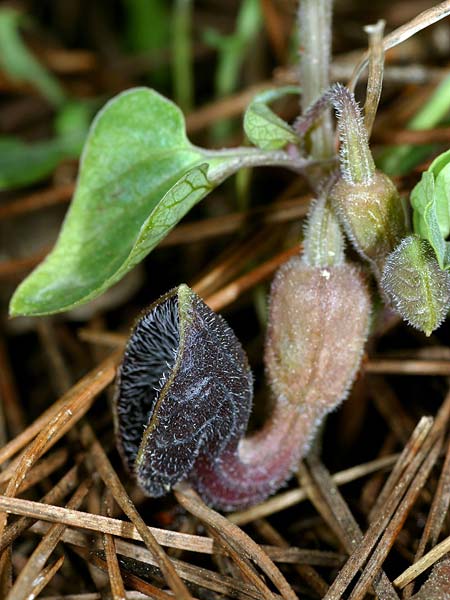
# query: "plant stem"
252,157
315,42
182,55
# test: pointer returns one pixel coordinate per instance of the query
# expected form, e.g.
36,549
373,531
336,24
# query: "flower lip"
148,360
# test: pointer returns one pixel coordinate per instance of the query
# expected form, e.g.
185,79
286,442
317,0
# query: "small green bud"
372,216
324,242
357,165
418,289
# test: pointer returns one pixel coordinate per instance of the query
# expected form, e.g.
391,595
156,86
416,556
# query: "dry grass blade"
437,586
104,468
375,80
131,595
372,568
9,396
306,572
390,408
423,564
98,523
199,576
246,569
293,497
216,301
13,268
102,338
276,31
405,459
231,292
282,211
29,575
225,108
204,578
45,577
399,35
72,407
410,450
230,262
436,515
58,371
343,523
407,367
37,201
434,135
44,468
131,580
407,477
5,572
66,484
377,527
115,577
193,504
83,392
441,501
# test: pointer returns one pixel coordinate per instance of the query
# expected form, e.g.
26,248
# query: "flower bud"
372,216
366,200
415,284
323,245
319,320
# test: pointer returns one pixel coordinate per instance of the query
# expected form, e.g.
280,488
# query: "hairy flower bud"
415,284
323,245
319,320
372,216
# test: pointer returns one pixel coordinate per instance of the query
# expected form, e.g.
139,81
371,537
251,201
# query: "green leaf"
23,163
440,168
139,176
263,127
430,200
19,63
415,284
425,217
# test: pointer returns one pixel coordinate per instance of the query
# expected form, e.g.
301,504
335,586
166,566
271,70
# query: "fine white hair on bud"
415,284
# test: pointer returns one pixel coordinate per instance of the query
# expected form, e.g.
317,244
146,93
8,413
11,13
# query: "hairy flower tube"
184,389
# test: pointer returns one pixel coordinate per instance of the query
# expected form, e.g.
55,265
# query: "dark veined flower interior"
149,358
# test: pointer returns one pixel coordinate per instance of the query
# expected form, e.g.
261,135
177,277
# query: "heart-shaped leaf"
139,176
263,127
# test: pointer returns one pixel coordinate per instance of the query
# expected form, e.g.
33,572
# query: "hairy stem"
314,18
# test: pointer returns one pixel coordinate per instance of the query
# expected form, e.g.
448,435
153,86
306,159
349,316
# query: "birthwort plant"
184,389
